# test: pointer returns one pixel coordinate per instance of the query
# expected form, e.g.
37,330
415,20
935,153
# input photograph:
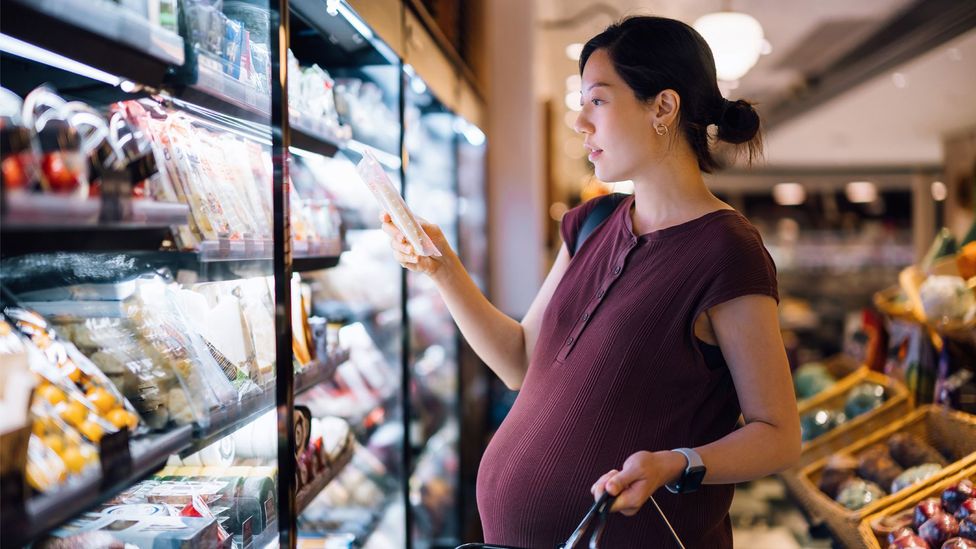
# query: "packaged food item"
18,163
390,200
83,394
63,166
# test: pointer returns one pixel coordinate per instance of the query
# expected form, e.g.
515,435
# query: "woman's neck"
670,193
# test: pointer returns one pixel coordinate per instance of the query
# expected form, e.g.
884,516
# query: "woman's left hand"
643,474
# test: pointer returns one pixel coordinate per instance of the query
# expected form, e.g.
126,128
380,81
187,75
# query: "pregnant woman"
647,341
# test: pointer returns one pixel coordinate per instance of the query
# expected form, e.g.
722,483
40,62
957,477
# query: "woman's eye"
597,102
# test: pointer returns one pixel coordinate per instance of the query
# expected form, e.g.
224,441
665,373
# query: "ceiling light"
23,49
736,41
573,101
861,192
789,194
767,48
574,50
418,86
900,80
939,191
574,82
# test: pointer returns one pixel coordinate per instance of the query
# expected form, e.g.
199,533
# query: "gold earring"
661,129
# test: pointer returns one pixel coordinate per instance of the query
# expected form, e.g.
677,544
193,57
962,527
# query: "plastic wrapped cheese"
389,199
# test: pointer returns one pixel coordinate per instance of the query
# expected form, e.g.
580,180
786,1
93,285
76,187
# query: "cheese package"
390,200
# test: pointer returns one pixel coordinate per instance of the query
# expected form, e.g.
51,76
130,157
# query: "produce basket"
897,404
894,303
844,369
952,433
877,540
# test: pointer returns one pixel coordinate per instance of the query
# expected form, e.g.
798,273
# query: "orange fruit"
75,374
55,443
122,418
73,459
92,431
74,413
102,399
51,394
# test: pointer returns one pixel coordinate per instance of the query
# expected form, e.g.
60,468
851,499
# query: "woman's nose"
582,125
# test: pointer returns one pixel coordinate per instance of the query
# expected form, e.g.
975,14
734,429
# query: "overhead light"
354,20
573,101
939,191
574,82
574,51
767,48
861,192
900,80
736,41
19,48
789,194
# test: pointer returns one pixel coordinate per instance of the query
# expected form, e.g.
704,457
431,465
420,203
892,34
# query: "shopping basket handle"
598,511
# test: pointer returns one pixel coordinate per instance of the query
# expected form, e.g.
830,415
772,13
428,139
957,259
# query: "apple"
938,529
953,496
926,509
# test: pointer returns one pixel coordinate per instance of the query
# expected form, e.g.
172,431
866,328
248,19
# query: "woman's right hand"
405,254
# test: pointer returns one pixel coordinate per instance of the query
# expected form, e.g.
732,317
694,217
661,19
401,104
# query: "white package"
389,199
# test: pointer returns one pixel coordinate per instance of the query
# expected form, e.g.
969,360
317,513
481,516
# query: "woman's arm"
504,344
747,329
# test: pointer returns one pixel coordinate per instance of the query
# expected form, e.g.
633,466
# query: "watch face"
692,479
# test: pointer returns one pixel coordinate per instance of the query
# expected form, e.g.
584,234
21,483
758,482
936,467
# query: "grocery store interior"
206,340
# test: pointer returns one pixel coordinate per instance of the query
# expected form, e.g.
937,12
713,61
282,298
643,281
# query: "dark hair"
652,54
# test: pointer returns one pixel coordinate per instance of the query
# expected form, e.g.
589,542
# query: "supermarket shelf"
46,512
114,237
319,372
305,264
309,135
211,88
310,491
99,33
334,40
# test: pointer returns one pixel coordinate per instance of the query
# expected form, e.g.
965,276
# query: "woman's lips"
594,152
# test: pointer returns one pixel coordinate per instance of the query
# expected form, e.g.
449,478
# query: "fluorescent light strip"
23,49
303,153
355,21
385,158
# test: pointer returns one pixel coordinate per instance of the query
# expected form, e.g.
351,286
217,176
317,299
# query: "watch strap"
694,461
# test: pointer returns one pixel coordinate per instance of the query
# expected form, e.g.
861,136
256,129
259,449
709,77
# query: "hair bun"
737,121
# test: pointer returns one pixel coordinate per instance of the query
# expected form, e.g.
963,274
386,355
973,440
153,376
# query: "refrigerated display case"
433,436
196,286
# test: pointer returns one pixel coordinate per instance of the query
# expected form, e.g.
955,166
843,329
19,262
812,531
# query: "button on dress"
617,369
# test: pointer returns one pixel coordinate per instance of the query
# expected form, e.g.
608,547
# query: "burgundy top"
617,370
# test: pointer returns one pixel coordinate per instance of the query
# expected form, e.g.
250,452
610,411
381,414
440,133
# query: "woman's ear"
666,106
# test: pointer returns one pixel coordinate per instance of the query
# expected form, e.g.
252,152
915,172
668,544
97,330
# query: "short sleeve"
573,221
743,267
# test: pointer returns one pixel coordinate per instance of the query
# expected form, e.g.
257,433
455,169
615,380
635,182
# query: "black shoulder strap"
600,212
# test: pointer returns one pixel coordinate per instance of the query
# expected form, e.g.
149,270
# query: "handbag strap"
605,205
598,512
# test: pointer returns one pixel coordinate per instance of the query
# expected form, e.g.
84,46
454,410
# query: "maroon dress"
617,369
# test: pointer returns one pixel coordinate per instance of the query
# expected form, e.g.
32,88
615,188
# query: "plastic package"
390,200
83,395
63,167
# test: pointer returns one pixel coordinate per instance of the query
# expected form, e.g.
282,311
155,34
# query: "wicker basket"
894,303
897,404
843,368
872,540
953,433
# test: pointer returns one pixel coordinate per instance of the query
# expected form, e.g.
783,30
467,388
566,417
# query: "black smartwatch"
693,475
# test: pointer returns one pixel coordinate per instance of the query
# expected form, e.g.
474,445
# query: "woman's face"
617,128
